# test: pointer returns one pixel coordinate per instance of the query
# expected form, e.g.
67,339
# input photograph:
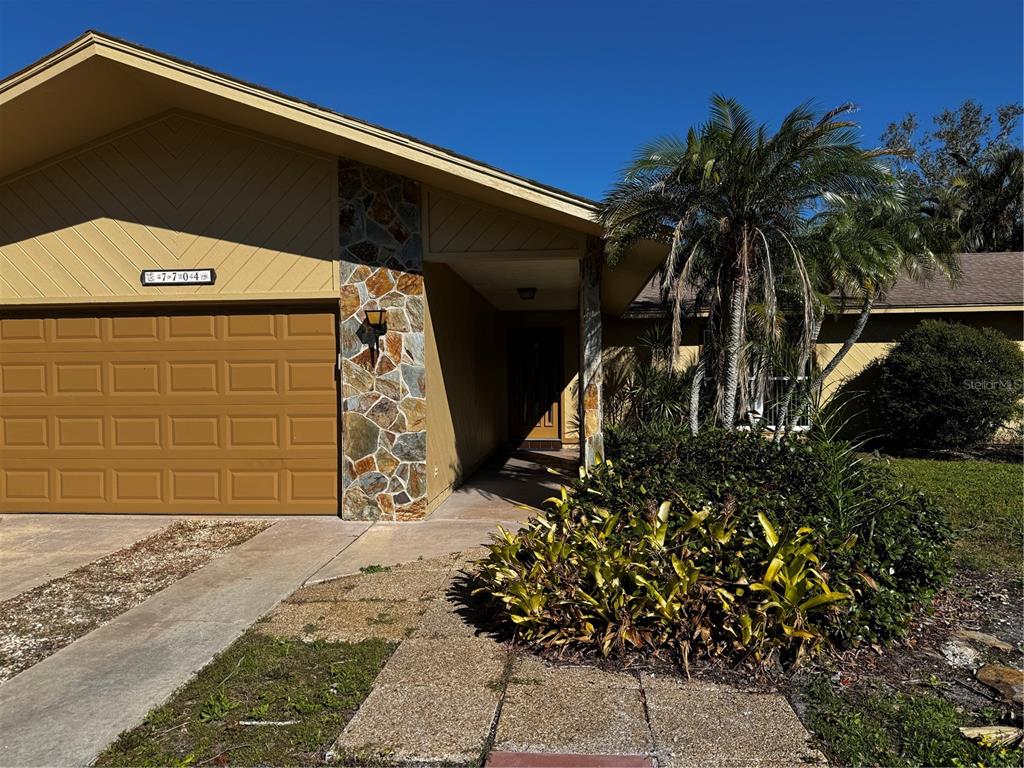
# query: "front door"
535,368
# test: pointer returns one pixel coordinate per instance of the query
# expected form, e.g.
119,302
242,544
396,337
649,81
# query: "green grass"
984,500
876,725
318,685
869,727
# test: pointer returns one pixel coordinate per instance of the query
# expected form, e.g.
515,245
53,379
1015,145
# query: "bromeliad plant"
714,582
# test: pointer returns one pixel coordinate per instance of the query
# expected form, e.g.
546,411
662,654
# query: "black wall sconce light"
377,320
527,294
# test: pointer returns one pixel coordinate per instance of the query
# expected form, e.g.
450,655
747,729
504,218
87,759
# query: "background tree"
968,169
856,250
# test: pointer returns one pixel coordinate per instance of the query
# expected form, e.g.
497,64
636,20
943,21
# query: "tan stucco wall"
177,192
882,330
465,380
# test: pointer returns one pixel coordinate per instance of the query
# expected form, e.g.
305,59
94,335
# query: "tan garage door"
200,413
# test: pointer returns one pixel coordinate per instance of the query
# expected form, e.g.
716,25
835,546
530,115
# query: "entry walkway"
505,485
453,692
505,491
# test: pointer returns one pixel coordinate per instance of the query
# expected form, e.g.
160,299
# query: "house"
215,298
988,294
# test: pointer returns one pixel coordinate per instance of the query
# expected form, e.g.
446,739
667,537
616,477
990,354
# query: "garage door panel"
22,331
76,485
25,485
23,380
193,378
25,432
193,328
231,413
249,431
134,329
305,330
78,329
136,377
139,488
75,432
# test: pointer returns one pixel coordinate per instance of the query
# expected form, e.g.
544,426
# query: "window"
766,406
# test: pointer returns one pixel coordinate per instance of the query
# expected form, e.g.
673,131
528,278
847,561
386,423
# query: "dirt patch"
988,603
379,603
41,621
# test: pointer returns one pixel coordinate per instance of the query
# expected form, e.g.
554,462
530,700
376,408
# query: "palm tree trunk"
732,353
698,379
677,325
672,273
858,329
855,333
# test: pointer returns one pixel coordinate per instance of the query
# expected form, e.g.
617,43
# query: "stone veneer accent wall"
384,440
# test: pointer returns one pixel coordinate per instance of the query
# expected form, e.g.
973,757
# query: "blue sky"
564,92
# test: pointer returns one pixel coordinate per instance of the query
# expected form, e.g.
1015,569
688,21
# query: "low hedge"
720,546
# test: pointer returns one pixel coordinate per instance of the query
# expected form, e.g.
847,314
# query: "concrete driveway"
64,710
37,548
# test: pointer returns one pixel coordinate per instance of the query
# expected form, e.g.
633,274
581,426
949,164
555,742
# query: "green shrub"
721,545
593,574
879,539
945,386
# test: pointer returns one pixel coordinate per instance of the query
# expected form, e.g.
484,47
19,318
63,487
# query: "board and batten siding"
177,192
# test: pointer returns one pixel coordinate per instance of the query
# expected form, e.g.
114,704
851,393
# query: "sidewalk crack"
492,733
647,719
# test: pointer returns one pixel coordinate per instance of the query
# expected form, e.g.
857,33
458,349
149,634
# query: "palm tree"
857,248
733,201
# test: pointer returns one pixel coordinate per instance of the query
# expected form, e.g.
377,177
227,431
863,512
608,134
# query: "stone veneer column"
591,418
384,438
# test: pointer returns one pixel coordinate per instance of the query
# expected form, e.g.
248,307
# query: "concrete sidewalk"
452,692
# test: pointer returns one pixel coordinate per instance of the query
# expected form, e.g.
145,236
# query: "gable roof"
98,84
99,71
988,280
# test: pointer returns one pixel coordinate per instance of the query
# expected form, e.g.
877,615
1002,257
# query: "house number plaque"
179,276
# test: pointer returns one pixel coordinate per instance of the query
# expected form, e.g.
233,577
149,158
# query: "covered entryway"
209,412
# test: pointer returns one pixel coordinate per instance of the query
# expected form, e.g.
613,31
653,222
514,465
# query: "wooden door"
535,368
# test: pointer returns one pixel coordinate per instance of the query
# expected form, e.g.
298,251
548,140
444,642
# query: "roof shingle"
987,279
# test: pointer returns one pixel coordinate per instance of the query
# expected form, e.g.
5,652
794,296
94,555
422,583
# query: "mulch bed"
41,621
